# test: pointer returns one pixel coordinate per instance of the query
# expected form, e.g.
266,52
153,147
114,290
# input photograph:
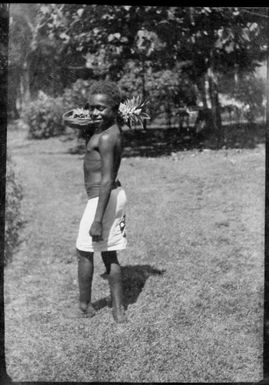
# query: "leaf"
206,10
245,34
45,9
132,110
230,47
65,37
124,39
236,12
80,11
253,27
219,44
113,36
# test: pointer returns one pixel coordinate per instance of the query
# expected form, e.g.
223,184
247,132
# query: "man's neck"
101,129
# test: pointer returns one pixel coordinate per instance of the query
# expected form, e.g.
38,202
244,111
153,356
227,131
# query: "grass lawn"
193,272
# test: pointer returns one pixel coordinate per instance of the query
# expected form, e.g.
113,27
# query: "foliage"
77,95
45,69
20,36
44,116
13,218
249,91
104,38
131,83
165,89
132,111
252,94
108,35
21,32
4,37
222,37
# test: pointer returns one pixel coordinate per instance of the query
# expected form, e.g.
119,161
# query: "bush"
44,116
13,220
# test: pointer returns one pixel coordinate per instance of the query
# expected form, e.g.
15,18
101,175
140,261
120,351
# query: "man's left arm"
106,150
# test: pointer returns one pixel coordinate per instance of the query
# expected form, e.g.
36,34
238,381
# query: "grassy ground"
193,271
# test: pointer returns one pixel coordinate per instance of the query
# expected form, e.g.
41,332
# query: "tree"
103,38
21,35
213,40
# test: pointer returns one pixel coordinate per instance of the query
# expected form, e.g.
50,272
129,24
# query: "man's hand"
96,231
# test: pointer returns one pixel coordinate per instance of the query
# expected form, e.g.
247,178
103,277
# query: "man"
102,227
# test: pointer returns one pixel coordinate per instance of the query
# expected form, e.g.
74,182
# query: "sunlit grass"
192,273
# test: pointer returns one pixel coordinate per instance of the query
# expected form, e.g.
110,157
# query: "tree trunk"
144,89
26,85
168,115
202,89
14,76
214,98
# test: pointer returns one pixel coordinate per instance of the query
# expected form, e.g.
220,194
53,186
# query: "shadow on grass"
156,142
133,280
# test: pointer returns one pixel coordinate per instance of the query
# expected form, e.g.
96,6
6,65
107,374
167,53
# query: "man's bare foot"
119,314
87,309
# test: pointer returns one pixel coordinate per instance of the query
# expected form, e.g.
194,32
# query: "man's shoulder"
110,136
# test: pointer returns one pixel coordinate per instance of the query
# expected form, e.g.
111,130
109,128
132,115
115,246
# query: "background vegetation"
203,58
13,217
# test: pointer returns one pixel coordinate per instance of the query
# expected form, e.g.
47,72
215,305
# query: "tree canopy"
151,44
105,37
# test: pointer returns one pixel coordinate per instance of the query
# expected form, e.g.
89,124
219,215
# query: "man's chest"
92,144
92,159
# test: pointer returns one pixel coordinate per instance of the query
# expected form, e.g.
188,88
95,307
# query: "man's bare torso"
93,160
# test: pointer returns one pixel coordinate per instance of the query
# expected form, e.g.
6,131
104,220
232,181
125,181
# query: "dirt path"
193,272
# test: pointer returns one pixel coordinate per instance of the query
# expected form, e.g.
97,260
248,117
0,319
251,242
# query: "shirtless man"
102,227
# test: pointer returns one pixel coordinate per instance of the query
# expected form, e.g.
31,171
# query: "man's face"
102,111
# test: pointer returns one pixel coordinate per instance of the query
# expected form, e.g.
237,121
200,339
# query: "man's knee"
85,254
109,258
109,254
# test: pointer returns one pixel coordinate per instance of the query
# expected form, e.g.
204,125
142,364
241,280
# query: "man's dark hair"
109,89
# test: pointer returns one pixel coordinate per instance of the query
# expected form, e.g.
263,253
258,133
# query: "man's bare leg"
85,275
114,278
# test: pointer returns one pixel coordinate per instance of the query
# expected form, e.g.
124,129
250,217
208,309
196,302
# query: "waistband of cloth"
93,190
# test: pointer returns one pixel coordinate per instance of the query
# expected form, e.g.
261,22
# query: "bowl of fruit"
77,118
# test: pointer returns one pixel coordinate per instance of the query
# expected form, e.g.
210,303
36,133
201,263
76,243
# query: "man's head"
108,88
104,101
